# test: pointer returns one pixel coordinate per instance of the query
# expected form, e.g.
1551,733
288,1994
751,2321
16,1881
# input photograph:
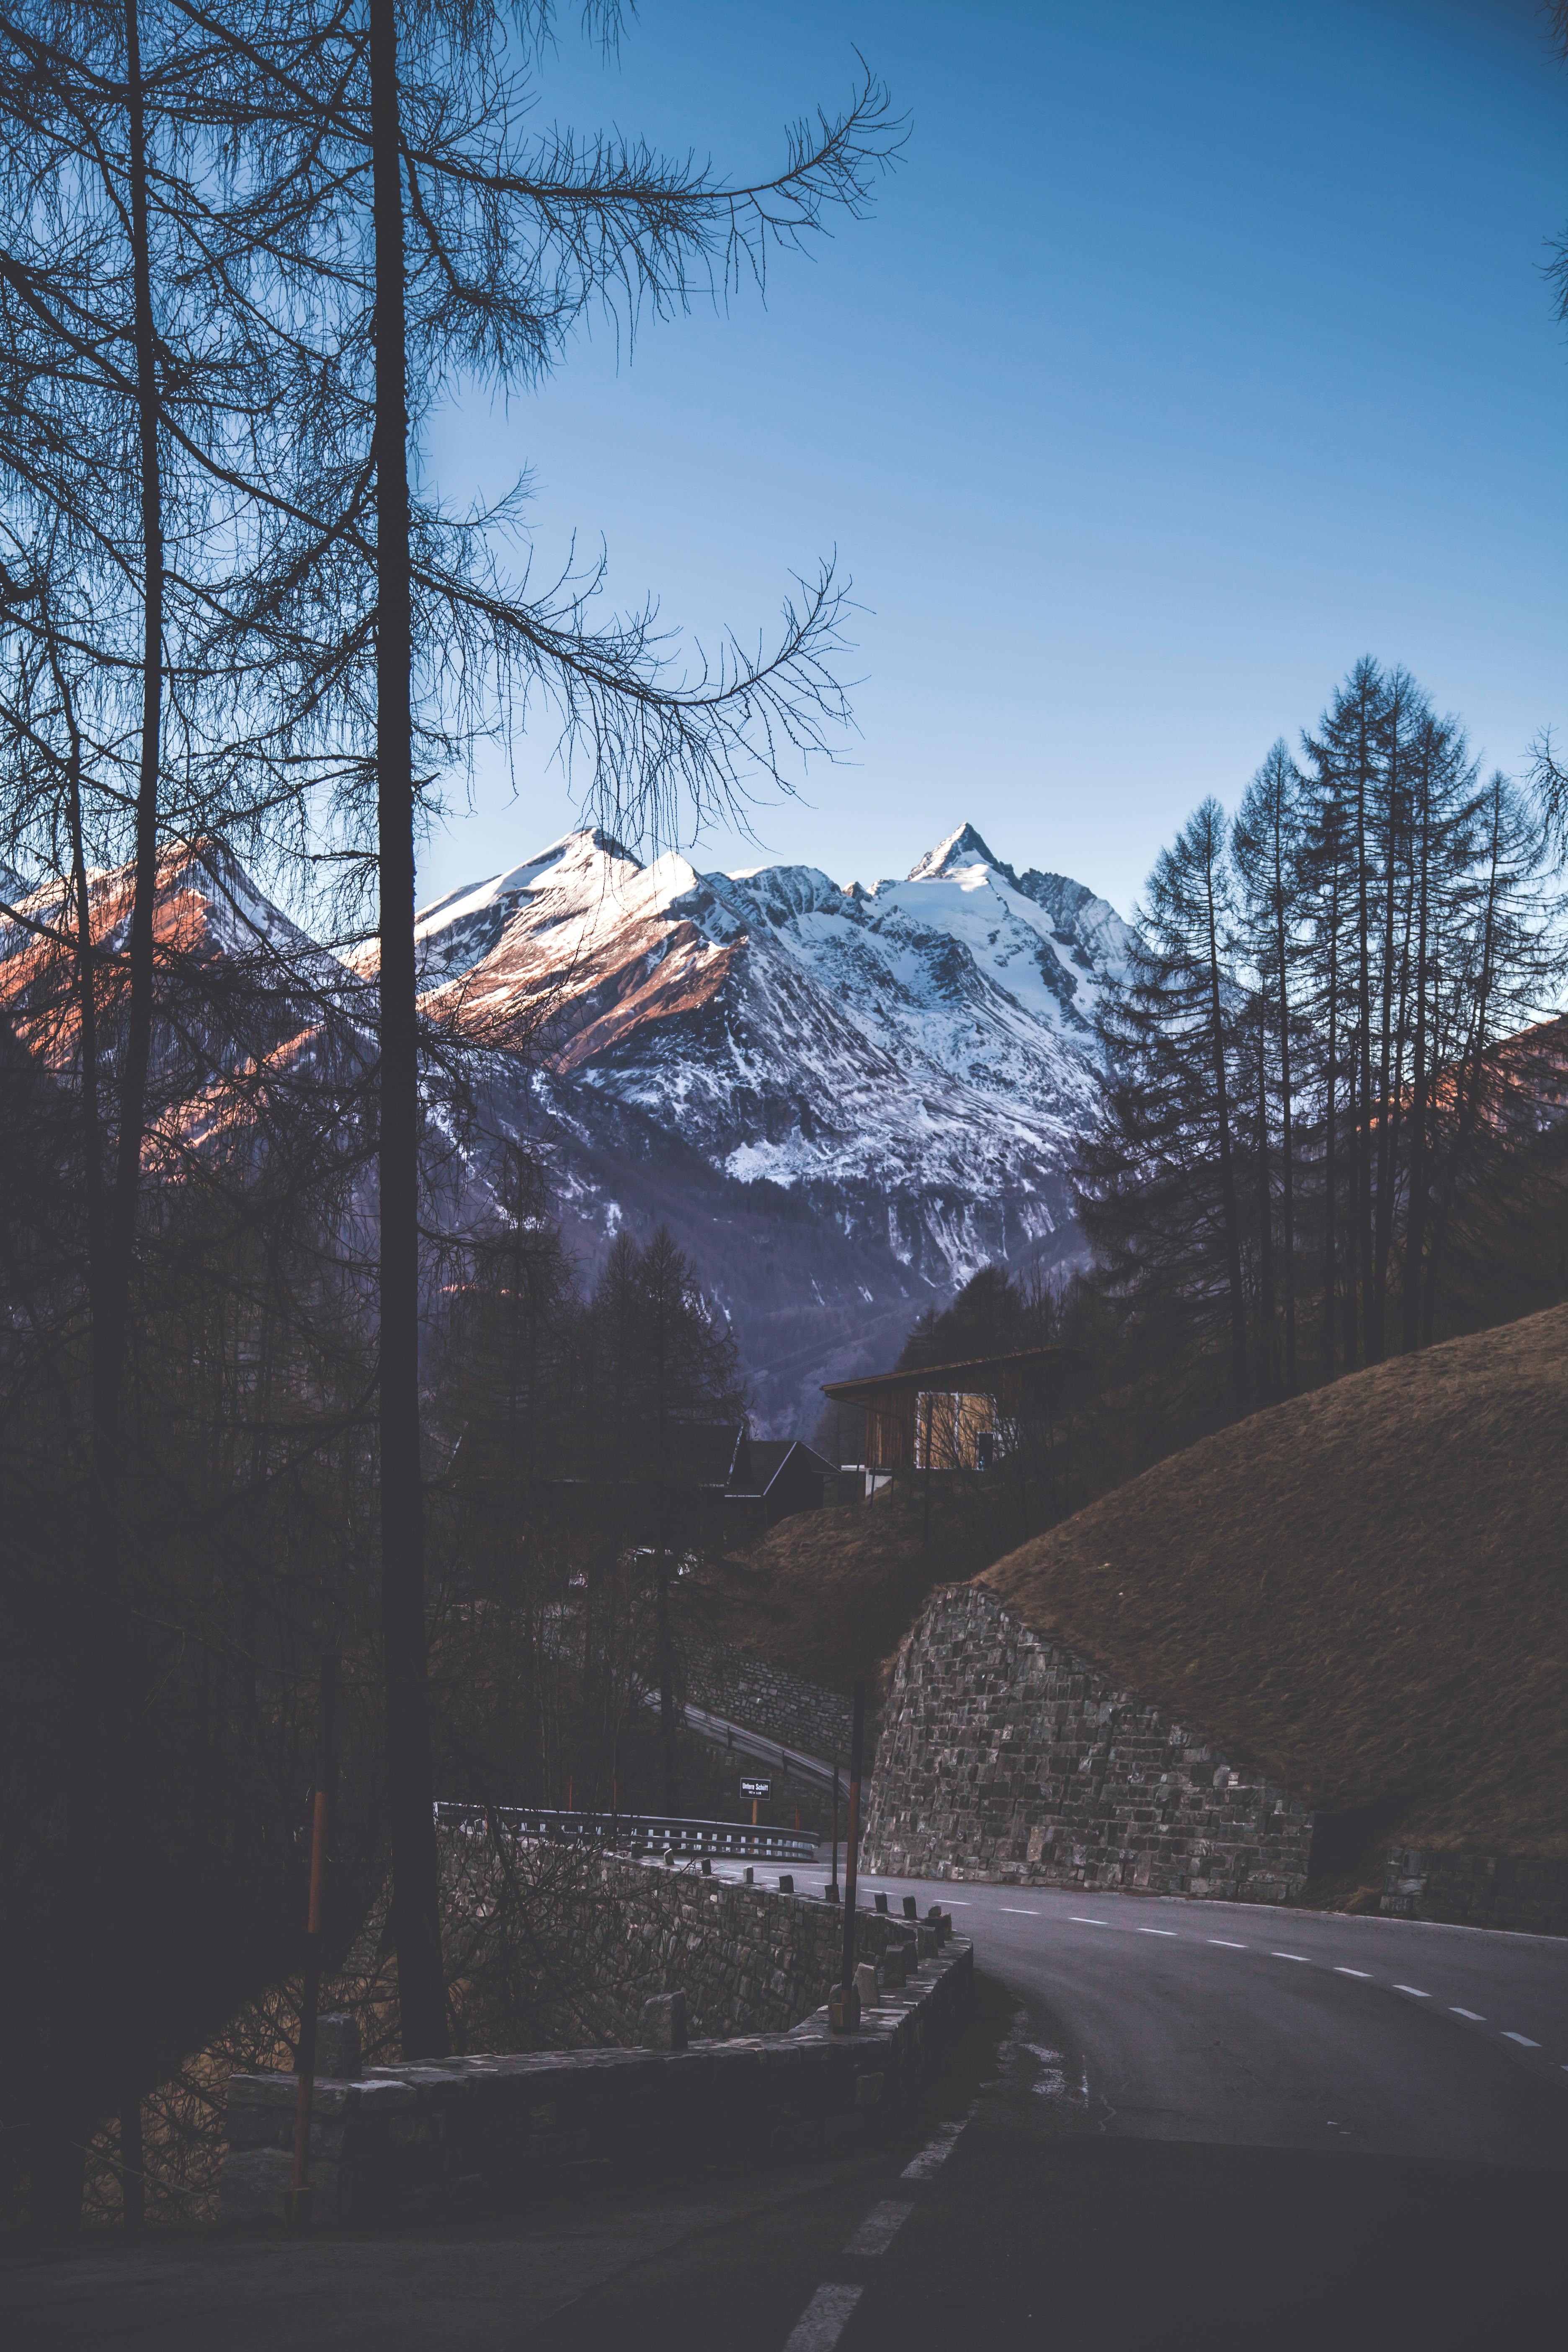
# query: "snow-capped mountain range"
842,1100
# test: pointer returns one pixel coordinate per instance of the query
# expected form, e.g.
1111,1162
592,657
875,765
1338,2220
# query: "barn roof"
1025,1369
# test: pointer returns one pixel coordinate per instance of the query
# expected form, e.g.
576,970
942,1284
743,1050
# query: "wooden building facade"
964,1416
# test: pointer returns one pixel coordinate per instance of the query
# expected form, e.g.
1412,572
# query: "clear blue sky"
1196,348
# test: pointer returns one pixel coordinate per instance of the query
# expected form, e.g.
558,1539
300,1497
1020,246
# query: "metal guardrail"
636,1833
743,1741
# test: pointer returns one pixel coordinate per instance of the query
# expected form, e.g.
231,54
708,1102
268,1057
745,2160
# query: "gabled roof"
978,1376
765,1458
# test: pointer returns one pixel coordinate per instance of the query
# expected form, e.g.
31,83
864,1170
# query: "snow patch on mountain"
911,1063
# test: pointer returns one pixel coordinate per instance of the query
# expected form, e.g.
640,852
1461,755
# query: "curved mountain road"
1211,2124
1205,2124
1230,2023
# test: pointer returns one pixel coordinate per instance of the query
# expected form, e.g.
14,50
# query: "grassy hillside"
1363,1592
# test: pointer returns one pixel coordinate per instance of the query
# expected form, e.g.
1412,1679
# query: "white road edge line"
1414,1990
1365,1974
824,2320
1523,2041
879,2227
1226,1945
934,2154
1473,2014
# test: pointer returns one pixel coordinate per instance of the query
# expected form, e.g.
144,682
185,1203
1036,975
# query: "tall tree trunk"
1229,1209
1382,1227
1414,1278
1330,1142
1396,1115
59,2177
415,1913
1267,1302
110,1355
1286,1138
1469,1109
1360,1285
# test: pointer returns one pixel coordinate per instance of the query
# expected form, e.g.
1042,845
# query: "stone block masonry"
1006,1756
407,2138
1526,1894
608,1934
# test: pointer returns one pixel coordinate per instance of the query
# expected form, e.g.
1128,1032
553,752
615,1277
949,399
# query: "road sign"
756,1788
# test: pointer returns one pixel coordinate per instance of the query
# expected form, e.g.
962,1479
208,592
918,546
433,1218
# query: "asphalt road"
1176,2124
1233,2025
1205,2124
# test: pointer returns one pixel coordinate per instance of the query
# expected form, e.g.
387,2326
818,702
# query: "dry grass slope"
1365,1592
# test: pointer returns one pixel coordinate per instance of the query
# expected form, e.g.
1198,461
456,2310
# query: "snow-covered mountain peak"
959,850
844,1101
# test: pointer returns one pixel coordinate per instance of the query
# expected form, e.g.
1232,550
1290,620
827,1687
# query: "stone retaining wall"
1006,1756
1476,1890
412,2136
600,1936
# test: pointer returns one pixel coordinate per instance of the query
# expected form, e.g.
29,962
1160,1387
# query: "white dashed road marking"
1523,2041
1156,1931
1291,1956
1414,1990
1226,1945
934,2154
1087,1923
1473,2014
1363,1973
823,2321
1017,1912
879,2227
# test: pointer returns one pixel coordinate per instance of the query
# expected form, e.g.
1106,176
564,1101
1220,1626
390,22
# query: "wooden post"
297,2203
844,2014
833,1881
666,1687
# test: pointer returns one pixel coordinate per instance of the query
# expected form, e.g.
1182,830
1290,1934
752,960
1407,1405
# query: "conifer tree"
1159,1191
1266,849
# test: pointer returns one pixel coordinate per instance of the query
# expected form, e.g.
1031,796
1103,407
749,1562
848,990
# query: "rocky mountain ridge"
843,1100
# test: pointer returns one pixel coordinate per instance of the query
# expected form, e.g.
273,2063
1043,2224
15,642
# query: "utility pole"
666,1687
